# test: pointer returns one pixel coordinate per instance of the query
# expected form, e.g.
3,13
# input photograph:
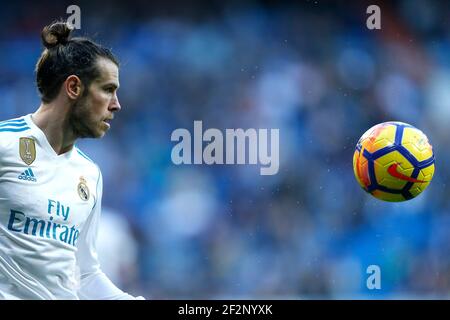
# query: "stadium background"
311,69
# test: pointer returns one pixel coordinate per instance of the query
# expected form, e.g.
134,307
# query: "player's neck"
53,121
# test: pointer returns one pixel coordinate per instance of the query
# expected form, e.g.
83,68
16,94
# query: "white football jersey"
49,213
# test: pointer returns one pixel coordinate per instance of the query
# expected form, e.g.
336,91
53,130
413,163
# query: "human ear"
73,87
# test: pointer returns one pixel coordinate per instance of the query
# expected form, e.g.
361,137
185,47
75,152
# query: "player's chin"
100,135
99,131
104,127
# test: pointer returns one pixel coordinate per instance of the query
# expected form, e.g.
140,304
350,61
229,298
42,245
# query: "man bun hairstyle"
64,56
56,33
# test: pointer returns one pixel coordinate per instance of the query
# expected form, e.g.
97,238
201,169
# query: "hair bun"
55,34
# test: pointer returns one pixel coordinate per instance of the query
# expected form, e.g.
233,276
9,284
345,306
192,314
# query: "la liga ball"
394,161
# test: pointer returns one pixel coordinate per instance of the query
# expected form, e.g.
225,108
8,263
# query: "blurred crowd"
314,71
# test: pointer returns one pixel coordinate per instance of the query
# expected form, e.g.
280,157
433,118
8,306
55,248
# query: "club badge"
27,150
83,190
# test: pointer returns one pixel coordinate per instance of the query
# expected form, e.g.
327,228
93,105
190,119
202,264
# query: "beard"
80,120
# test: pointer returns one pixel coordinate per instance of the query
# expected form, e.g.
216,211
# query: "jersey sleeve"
94,284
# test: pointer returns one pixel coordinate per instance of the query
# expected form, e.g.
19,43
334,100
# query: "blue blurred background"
311,69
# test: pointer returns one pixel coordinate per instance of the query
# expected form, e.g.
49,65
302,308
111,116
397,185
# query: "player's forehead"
108,72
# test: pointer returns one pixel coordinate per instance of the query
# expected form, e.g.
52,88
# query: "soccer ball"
393,161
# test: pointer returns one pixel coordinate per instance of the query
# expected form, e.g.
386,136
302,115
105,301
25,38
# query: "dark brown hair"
64,56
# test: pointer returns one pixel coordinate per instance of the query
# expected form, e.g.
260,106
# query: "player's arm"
94,284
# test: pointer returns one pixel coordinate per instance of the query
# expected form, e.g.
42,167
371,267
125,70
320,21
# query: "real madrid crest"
27,150
83,190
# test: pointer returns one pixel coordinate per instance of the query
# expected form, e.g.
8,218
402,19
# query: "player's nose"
115,104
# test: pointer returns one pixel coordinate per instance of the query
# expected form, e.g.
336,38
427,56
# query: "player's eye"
109,89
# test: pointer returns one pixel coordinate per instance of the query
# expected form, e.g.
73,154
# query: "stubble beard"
80,120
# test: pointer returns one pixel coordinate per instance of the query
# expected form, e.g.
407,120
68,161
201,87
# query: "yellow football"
393,161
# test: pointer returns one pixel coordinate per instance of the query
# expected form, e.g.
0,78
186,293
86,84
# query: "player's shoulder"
86,161
14,125
11,128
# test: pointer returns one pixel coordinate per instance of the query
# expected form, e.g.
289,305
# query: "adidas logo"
27,175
